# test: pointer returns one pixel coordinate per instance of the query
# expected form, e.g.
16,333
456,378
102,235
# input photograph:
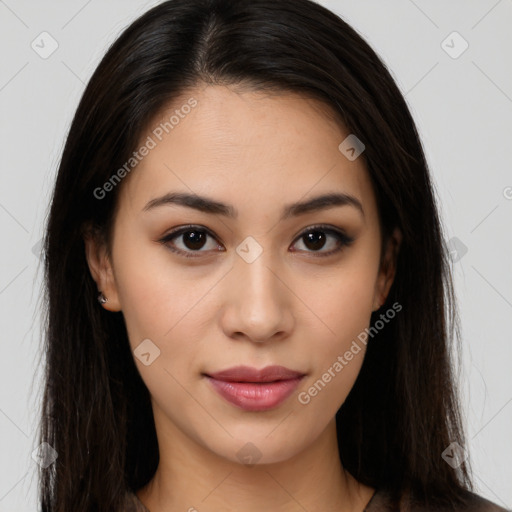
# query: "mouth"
251,389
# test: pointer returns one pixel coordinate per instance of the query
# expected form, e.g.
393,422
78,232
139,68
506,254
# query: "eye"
190,240
316,238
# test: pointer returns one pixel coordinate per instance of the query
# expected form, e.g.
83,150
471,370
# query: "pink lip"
255,390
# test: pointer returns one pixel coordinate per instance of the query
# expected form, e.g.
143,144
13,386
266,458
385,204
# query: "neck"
191,478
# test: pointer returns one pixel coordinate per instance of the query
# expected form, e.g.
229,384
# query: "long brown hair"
403,410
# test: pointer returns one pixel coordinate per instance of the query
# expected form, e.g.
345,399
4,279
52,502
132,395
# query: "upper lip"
248,374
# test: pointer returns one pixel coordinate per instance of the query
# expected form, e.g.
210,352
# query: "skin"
290,306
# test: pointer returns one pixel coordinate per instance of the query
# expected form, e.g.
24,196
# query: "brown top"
380,502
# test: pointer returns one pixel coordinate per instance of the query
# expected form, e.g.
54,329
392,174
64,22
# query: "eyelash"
343,239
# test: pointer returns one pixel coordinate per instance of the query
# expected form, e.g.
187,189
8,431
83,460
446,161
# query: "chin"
258,448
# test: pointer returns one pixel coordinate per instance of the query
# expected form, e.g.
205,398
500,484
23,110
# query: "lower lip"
251,396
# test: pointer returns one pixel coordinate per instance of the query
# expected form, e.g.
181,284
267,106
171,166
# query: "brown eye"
314,240
189,240
194,240
318,237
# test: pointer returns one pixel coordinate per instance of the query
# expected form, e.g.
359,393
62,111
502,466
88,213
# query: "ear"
101,269
388,269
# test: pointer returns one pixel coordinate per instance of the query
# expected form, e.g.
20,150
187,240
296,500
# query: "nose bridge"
257,303
259,279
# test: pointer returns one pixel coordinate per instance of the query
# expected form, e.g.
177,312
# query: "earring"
101,298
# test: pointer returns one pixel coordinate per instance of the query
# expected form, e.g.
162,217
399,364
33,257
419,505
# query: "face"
255,274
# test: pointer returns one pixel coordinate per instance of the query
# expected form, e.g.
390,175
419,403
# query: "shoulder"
382,501
132,503
477,503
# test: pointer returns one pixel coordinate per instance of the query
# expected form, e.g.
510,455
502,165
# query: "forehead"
247,147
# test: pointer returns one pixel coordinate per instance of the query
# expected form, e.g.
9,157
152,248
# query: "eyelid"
323,227
188,227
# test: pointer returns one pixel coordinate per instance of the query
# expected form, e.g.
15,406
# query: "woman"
250,305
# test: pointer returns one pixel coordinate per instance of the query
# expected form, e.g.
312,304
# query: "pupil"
315,240
194,239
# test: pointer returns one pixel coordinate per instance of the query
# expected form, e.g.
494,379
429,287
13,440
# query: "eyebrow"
208,205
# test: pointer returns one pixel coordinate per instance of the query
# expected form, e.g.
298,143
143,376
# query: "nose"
257,304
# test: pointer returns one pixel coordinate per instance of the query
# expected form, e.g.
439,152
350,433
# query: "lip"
248,374
255,390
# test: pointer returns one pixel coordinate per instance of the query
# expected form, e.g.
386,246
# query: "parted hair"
403,410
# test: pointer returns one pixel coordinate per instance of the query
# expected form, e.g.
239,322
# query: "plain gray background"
462,103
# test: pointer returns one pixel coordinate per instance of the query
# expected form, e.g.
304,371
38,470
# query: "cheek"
343,300
168,305
344,303
339,352
154,292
